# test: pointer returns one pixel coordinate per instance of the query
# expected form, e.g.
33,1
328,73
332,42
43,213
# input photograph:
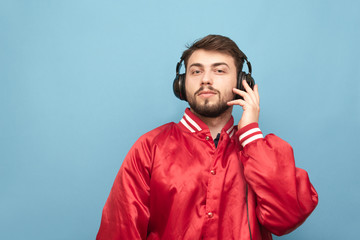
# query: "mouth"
206,93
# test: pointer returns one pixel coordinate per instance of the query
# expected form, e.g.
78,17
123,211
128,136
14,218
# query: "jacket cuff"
249,133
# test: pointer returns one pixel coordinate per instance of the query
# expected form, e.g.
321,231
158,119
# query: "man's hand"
250,104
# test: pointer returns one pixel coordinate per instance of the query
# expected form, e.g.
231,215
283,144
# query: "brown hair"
216,43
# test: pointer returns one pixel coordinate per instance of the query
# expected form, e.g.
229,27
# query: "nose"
206,79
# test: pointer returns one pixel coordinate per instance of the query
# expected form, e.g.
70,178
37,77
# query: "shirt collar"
194,124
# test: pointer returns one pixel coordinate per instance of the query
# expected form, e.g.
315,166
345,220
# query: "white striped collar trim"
231,133
186,125
192,122
230,129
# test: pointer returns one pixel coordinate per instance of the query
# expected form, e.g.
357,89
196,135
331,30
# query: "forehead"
208,58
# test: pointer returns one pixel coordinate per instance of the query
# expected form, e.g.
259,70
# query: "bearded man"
204,178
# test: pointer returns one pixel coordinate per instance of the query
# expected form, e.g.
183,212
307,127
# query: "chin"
209,110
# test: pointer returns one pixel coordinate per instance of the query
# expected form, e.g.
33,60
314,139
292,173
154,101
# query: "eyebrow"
219,64
213,65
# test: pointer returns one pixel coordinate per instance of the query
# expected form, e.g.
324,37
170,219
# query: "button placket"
210,198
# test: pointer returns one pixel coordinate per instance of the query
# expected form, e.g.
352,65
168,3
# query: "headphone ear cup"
182,87
239,85
176,86
249,79
239,82
179,87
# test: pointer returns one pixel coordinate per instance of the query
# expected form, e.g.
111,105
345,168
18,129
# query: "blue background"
81,80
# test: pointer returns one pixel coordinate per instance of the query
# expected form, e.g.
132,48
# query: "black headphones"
179,81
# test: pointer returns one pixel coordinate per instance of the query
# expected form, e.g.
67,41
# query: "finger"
249,91
243,94
256,91
236,102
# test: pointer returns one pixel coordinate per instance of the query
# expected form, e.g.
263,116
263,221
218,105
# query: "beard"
208,108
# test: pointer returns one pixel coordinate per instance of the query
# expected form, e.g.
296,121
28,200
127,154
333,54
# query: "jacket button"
213,172
210,214
207,138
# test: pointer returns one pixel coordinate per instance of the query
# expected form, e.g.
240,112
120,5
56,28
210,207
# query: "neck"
215,124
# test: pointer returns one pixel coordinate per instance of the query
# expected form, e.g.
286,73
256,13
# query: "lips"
206,93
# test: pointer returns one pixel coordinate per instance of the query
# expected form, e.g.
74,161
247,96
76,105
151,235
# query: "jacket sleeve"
126,211
285,197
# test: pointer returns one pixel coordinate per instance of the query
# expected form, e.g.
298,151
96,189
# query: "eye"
195,72
220,71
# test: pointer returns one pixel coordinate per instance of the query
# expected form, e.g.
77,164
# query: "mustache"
210,88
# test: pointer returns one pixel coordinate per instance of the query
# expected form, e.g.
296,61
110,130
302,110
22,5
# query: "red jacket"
174,184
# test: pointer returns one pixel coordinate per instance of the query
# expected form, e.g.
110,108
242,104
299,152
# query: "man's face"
210,78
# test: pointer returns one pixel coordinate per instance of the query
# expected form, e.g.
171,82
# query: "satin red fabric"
174,184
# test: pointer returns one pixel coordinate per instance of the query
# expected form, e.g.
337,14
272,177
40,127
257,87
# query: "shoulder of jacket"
158,133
